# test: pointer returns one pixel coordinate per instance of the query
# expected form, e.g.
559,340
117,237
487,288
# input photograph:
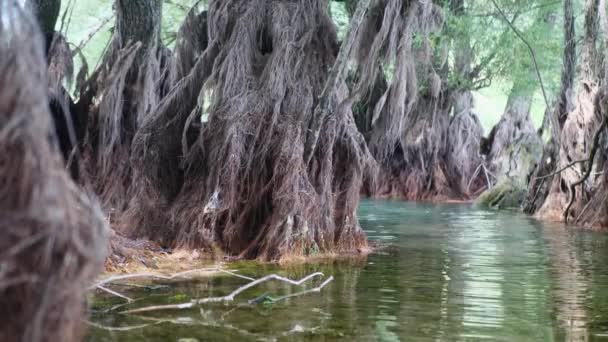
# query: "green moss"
504,195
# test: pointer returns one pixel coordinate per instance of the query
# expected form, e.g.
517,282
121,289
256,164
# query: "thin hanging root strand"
230,297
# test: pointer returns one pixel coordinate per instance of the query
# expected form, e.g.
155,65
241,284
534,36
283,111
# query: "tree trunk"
578,132
465,131
47,13
514,151
127,86
589,55
463,147
247,188
542,178
51,234
409,130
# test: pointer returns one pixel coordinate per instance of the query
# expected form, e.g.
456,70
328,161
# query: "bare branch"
230,297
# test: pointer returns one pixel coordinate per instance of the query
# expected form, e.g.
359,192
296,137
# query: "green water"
452,273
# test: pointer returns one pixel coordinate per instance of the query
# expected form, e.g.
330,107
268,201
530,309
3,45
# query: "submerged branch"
301,293
121,329
100,285
230,297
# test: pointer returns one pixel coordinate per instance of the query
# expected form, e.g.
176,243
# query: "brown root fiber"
122,92
463,147
52,236
246,188
578,133
578,190
406,119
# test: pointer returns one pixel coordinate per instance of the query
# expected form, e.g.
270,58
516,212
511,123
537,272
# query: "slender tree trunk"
589,55
568,69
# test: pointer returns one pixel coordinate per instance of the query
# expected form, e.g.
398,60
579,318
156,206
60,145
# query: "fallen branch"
562,169
117,294
297,294
128,328
230,297
114,279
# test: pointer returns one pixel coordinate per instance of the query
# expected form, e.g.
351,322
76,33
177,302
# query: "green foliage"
499,53
341,17
92,21
501,57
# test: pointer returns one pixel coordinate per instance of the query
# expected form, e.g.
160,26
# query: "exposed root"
578,129
247,189
122,91
53,236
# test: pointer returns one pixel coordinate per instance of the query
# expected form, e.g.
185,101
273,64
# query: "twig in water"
228,298
113,279
129,328
297,294
117,294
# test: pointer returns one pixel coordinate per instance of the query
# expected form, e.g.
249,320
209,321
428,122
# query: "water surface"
452,273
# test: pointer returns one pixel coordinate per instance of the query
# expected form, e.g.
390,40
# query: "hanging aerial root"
52,236
244,187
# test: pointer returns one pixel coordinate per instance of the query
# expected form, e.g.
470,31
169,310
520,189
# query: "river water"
451,273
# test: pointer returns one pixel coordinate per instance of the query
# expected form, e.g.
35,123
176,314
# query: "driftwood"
228,298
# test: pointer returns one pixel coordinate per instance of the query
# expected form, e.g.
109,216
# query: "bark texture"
46,13
409,121
247,189
542,178
119,95
514,150
565,200
52,236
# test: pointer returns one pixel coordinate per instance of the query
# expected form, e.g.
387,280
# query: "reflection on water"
451,272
